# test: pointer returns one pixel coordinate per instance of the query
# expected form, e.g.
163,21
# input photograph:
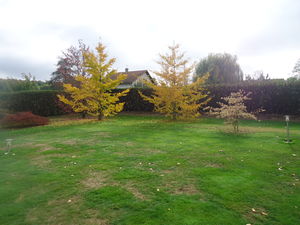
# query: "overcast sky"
264,34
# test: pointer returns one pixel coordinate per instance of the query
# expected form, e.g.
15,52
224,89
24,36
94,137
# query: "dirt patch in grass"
95,180
46,148
147,151
56,212
128,143
70,142
32,215
93,217
95,221
102,134
259,214
57,155
213,165
132,189
63,202
177,183
188,188
43,161
40,161
69,121
20,198
39,147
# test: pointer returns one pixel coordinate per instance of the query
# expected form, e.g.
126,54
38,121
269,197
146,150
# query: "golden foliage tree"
173,95
233,109
95,94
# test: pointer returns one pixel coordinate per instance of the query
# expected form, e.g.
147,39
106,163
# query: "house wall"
139,82
124,86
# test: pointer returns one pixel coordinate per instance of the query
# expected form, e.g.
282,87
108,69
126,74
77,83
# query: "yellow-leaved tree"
173,95
95,95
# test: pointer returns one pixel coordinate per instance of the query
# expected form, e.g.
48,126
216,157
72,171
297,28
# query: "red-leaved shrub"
23,119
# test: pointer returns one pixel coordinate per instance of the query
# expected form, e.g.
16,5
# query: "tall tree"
258,75
29,82
223,68
69,65
296,70
94,94
173,95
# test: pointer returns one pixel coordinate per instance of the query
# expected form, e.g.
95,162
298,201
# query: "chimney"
126,70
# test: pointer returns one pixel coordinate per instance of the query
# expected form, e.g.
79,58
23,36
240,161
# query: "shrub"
233,109
23,119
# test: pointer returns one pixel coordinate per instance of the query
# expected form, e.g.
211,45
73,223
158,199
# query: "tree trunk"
100,116
83,114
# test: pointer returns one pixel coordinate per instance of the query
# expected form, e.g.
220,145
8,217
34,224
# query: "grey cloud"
69,33
13,67
282,34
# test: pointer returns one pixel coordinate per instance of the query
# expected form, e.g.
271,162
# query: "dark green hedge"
275,98
134,102
44,103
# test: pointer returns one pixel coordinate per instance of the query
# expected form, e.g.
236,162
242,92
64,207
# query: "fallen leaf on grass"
264,213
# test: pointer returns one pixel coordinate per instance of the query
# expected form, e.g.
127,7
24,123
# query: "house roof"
131,76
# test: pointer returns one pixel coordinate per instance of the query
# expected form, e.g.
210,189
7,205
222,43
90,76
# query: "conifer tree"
173,96
94,95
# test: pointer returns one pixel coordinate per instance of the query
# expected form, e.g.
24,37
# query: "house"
134,78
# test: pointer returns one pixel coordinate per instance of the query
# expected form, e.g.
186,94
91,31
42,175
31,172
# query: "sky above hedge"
265,35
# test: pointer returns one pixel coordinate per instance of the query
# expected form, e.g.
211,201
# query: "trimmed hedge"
276,98
134,102
43,103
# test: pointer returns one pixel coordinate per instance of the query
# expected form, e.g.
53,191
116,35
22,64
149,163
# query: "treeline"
14,85
274,97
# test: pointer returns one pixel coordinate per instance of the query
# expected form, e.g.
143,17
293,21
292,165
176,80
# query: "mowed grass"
145,170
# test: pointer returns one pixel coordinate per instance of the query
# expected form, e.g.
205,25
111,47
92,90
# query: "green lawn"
145,170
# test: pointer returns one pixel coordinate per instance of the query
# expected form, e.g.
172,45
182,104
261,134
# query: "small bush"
23,119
